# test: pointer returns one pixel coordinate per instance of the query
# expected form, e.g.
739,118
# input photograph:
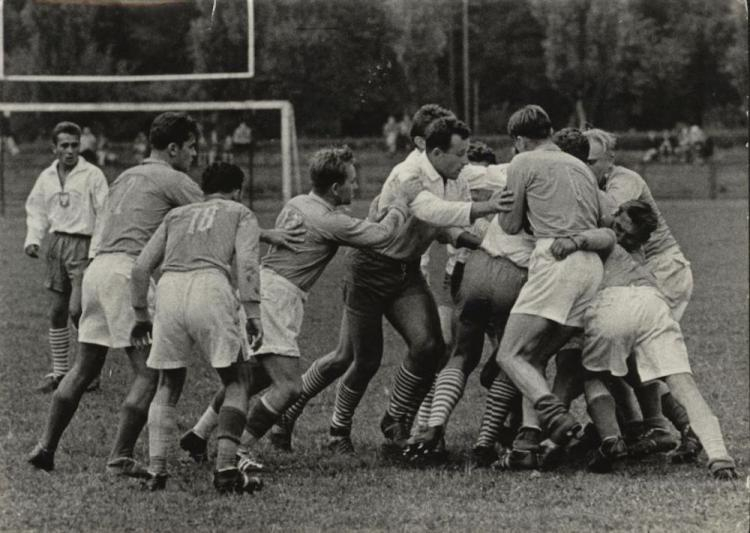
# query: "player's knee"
367,367
291,390
427,349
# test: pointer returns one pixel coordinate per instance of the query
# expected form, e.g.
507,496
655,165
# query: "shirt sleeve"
596,240
99,191
429,208
37,222
150,257
186,191
350,231
621,190
512,221
247,267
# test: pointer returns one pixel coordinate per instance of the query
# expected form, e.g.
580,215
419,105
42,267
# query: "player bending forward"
629,315
199,246
288,276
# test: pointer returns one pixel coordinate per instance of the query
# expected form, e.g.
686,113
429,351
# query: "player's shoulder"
623,173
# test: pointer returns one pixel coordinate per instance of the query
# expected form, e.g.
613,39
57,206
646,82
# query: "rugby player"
287,278
201,247
557,193
630,315
65,202
665,260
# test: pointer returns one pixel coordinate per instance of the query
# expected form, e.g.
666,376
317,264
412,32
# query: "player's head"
425,116
481,154
221,177
634,222
333,174
446,144
601,157
528,126
66,141
174,136
573,142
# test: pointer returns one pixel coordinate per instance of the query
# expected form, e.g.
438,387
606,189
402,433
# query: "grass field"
312,491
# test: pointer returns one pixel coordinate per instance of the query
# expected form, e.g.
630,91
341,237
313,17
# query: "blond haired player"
66,200
207,250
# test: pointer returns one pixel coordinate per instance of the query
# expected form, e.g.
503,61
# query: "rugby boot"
689,449
195,445
654,440
42,458
604,458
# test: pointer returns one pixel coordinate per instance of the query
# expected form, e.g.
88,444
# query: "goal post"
290,168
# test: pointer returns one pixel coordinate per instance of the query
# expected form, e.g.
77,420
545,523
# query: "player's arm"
185,191
600,240
37,222
621,189
99,196
150,257
284,237
446,213
358,233
247,267
512,221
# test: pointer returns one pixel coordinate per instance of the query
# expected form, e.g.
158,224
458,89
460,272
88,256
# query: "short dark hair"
171,127
425,116
328,166
440,133
643,217
71,128
530,121
573,142
479,152
222,177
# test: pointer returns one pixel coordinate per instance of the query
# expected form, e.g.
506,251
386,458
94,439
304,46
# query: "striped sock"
59,345
206,423
313,382
231,422
347,401
449,387
500,399
162,428
674,411
423,415
408,392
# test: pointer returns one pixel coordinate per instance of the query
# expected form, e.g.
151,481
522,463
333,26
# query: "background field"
311,491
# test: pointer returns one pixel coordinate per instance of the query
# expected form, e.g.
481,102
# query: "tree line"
348,64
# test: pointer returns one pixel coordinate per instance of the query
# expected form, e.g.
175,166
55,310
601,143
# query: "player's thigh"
415,317
523,336
281,368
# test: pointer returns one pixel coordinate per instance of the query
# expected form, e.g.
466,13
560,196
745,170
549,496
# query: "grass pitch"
312,491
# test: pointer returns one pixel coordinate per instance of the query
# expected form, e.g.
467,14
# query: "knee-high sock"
502,394
231,422
449,387
674,411
313,382
347,401
206,423
408,392
259,420
59,345
162,427
601,409
423,415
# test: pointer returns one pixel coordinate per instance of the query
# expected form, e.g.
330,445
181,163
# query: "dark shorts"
67,257
489,289
373,281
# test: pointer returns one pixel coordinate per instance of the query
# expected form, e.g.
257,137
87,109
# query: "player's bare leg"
704,423
415,318
601,409
133,415
162,425
65,402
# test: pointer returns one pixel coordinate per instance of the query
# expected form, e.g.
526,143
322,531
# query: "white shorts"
282,308
559,290
633,320
107,317
675,279
198,308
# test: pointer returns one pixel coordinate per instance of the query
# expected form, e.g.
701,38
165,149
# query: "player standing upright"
201,247
65,201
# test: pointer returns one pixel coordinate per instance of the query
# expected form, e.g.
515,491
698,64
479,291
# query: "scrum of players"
559,253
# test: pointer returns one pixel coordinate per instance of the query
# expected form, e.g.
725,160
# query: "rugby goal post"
290,169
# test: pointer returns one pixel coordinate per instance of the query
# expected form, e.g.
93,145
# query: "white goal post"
290,169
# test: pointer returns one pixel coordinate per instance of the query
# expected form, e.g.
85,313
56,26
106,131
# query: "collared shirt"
623,185
621,269
327,229
216,234
72,207
137,203
443,207
555,190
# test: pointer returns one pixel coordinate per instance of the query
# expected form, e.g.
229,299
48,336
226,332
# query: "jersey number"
202,219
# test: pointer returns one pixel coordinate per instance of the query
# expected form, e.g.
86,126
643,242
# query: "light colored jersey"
72,207
443,207
516,248
137,203
327,229
216,234
555,190
623,185
621,269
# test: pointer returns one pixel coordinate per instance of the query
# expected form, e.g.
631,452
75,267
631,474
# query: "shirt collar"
154,161
322,201
426,166
80,165
548,146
